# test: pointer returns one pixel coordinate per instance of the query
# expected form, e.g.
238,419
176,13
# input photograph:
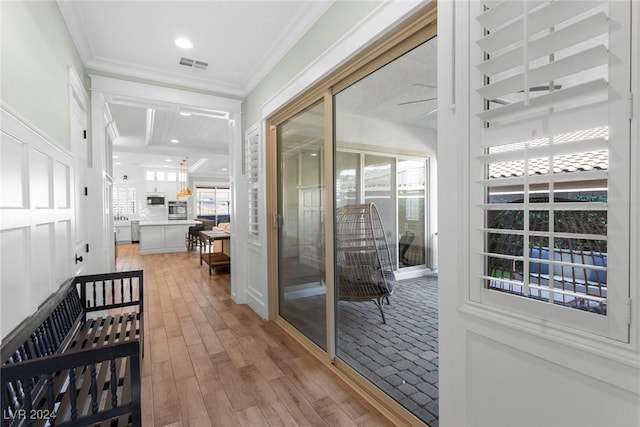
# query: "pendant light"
180,180
184,175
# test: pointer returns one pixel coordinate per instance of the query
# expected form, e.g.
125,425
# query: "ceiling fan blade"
416,101
420,84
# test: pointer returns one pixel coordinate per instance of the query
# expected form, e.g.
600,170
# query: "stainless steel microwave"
155,200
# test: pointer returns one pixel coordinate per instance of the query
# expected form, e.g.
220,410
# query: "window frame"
215,189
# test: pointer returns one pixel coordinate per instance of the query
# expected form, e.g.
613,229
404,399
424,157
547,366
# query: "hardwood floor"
211,362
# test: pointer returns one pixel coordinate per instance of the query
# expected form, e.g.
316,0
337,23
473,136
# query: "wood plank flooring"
211,362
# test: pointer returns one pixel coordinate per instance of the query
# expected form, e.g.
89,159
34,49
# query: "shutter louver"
544,147
252,164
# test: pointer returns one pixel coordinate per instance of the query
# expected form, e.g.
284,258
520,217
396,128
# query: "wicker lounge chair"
364,268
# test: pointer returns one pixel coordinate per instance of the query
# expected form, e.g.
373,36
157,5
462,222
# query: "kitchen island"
159,237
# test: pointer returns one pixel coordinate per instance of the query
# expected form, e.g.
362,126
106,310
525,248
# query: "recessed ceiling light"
115,157
118,163
175,141
224,169
185,113
184,43
167,160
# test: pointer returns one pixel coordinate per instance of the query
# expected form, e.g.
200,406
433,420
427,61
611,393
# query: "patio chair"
404,244
364,267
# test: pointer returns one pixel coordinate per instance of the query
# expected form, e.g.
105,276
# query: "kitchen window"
124,201
213,202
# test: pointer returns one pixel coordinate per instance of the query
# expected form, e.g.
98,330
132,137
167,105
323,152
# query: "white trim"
299,25
12,123
77,89
413,272
583,343
71,17
115,90
174,78
634,200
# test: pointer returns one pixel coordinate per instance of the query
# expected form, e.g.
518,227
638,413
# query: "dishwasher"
135,231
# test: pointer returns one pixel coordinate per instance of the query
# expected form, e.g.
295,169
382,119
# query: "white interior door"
79,143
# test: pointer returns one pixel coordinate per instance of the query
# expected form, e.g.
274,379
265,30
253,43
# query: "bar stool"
193,236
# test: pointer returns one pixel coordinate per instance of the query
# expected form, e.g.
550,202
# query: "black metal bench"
64,367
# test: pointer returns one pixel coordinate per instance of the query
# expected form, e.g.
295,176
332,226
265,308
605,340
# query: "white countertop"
169,222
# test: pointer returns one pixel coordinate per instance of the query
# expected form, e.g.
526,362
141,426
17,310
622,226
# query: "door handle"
78,258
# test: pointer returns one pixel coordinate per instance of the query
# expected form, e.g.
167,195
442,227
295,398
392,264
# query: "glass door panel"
347,167
301,280
379,188
381,122
411,212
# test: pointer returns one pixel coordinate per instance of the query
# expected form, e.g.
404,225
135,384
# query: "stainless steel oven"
177,209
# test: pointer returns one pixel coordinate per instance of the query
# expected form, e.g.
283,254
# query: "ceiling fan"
420,100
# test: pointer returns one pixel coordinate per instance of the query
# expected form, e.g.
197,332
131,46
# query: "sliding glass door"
300,222
384,325
370,304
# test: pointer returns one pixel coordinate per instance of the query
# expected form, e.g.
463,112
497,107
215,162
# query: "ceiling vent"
192,63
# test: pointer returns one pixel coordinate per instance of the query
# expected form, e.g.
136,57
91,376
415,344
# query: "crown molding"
75,26
126,69
297,28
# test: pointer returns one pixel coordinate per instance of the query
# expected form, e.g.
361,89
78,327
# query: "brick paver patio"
401,356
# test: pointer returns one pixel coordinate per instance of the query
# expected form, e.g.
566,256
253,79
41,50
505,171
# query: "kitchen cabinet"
123,234
158,237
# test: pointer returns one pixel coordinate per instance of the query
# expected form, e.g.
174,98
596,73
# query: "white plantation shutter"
550,143
124,200
252,164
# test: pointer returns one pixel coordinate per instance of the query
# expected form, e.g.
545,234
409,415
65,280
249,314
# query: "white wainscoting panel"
64,258
14,276
40,172
42,252
257,281
12,182
61,177
511,387
36,218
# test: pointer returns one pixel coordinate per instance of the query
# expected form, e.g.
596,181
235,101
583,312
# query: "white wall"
386,135
36,49
495,370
